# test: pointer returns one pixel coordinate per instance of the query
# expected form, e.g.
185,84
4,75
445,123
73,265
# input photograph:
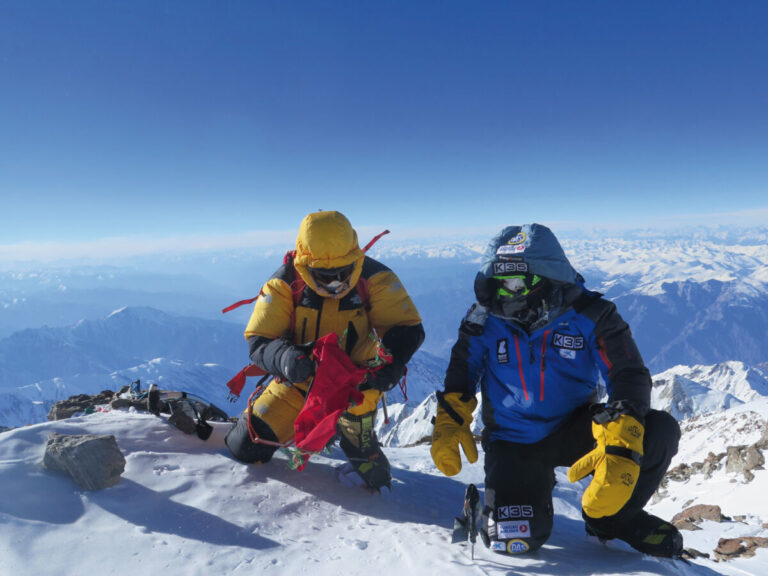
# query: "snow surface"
184,506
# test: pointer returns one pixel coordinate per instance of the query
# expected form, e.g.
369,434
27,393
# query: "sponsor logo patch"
509,267
514,529
568,354
517,547
514,511
502,351
519,238
497,546
505,249
568,341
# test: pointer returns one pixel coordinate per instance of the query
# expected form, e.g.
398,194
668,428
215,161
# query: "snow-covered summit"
185,507
736,378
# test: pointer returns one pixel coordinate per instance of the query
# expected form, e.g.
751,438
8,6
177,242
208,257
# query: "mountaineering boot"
645,532
360,445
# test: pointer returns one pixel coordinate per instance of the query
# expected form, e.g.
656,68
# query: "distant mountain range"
39,367
692,299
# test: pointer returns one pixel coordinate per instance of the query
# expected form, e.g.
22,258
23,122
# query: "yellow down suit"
291,305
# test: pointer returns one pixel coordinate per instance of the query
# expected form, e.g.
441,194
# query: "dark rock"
64,409
696,514
684,471
94,462
730,548
744,459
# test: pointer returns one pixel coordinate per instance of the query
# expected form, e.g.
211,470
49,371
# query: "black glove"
385,378
296,365
293,363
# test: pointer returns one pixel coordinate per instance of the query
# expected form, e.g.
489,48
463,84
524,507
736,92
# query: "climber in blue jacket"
538,344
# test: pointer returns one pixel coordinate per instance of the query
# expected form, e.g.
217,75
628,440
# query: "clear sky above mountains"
156,120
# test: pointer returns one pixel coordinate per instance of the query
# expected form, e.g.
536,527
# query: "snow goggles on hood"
517,285
332,280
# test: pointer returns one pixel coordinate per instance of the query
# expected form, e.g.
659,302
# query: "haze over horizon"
196,122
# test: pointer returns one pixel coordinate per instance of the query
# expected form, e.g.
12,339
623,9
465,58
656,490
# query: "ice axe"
466,527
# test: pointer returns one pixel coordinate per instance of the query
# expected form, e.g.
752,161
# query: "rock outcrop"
730,548
94,462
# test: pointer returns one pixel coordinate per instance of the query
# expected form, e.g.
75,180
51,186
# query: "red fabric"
375,239
238,304
333,390
237,382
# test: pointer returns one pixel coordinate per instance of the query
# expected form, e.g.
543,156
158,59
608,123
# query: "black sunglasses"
328,275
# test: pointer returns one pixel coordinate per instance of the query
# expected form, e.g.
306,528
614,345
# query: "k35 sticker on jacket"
567,341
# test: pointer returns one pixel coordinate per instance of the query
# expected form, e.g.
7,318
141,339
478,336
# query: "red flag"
333,390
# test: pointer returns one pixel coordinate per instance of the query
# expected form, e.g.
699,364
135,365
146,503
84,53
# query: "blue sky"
150,120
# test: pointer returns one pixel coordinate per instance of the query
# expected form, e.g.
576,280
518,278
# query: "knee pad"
239,442
278,407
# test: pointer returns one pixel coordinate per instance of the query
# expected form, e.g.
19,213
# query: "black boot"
360,445
645,532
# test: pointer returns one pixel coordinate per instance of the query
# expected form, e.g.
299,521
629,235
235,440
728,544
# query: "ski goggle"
333,279
518,285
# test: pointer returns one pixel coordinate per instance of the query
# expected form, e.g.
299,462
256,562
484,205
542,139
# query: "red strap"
238,304
289,256
375,239
237,382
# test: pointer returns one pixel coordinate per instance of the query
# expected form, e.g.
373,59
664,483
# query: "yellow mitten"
615,462
452,421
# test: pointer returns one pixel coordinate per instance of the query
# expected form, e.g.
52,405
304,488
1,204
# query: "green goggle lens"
519,285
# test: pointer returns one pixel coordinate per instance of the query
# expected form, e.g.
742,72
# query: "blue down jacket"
532,381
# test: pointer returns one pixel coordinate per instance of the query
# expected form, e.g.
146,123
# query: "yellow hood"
327,240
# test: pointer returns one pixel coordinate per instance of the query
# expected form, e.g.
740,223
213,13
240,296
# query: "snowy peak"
684,398
735,379
116,312
641,261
